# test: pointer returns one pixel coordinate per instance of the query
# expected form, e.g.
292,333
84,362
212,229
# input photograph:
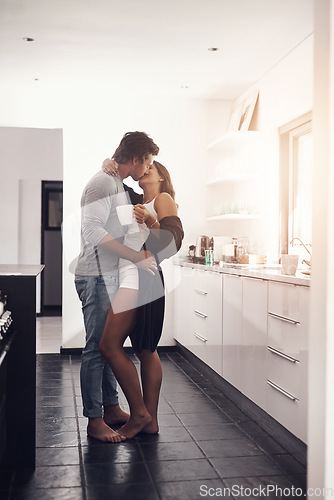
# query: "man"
96,277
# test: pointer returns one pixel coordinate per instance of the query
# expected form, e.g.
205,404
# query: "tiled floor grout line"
269,456
81,464
157,457
202,390
149,472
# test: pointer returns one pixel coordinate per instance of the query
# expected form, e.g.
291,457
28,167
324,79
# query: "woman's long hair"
166,185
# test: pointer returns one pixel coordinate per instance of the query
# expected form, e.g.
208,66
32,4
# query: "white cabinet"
287,356
198,315
207,333
254,333
214,309
183,303
232,328
245,336
253,346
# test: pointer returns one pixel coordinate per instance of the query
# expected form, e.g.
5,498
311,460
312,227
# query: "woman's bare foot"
98,429
135,425
151,428
114,414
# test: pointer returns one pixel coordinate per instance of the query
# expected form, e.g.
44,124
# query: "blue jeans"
98,383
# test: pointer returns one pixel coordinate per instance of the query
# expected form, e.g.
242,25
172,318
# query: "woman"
156,214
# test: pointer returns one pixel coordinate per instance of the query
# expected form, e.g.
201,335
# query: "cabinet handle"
282,391
200,337
201,314
200,292
276,316
285,356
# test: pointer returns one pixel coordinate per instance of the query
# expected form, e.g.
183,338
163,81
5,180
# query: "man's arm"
95,213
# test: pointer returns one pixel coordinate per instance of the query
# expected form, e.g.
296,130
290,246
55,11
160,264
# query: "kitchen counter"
18,369
21,269
265,272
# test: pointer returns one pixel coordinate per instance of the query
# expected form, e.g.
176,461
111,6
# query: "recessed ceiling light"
28,39
213,49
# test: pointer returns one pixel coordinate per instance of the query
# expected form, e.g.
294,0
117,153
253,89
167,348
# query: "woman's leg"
151,376
117,327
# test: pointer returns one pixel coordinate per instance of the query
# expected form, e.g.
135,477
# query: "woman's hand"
142,215
110,167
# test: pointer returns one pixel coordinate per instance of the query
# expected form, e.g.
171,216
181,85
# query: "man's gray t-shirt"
99,200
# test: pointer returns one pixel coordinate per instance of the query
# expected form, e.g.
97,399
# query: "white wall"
285,93
27,156
178,127
321,372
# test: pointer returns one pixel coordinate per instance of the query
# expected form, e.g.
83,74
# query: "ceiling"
155,47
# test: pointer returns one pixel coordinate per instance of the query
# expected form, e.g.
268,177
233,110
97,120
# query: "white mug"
125,214
289,263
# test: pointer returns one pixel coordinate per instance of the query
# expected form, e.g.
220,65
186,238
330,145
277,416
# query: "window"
296,151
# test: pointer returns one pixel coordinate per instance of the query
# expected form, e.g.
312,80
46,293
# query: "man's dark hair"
135,145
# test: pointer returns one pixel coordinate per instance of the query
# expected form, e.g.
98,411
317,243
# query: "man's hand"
110,167
146,262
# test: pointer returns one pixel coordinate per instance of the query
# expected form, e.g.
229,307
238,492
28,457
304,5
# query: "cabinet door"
253,347
287,387
303,356
199,338
232,325
184,305
214,284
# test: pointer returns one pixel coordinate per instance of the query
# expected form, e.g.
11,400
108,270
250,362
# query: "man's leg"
113,413
94,294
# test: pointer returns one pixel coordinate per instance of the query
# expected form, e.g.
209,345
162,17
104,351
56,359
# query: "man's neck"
124,170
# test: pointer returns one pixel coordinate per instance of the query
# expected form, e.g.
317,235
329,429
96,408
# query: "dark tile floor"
206,446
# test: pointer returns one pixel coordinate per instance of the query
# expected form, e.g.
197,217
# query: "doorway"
51,248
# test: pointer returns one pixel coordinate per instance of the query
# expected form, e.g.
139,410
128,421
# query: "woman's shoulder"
164,198
165,205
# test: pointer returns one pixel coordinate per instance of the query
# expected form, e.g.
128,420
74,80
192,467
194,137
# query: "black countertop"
20,269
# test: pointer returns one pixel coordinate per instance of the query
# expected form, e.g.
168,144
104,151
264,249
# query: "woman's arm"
164,205
110,167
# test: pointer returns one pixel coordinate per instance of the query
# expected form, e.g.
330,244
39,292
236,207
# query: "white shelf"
233,217
233,179
231,139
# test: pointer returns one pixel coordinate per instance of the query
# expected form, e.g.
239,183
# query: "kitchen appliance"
234,251
191,253
203,243
219,243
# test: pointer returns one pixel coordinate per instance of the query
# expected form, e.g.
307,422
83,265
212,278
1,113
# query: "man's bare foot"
135,425
114,414
151,428
98,429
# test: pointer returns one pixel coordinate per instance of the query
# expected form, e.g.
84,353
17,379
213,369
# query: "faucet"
308,262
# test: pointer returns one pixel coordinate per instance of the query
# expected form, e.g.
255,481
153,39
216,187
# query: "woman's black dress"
162,243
